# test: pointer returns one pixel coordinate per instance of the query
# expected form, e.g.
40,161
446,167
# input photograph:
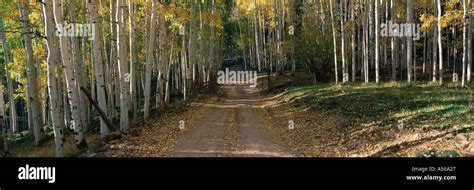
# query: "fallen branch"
102,114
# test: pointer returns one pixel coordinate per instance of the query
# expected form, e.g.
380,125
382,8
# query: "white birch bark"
33,96
72,90
6,57
394,42
97,45
123,65
133,58
257,52
2,111
149,59
377,43
435,45
409,43
77,63
53,48
440,47
192,42
469,43
334,40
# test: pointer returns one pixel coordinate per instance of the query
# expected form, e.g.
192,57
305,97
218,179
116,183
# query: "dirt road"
233,128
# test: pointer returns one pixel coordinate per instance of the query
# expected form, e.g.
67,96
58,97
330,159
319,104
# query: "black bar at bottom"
444,173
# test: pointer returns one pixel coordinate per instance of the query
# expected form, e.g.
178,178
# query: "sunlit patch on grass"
435,153
388,98
371,113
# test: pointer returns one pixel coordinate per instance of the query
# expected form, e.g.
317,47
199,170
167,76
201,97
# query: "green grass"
418,106
434,153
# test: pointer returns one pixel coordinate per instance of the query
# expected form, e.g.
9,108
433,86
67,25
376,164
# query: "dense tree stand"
77,75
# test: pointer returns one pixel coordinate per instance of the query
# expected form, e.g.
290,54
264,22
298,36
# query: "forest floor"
363,120
350,120
354,120
226,125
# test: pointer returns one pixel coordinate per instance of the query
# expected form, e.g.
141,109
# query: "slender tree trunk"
77,62
35,75
409,43
244,48
257,52
414,61
262,38
184,63
97,46
54,98
11,98
192,42
114,78
2,111
435,45
366,42
202,60
440,47
108,57
3,128
394,42
334,41
377,20
385,39
168,79
360,43
85,70
403,60
353,42
371,39
62,98
455,50
292,15
469,43
31,122
251,47
73,92
124,72
277,34
425,49
464,46
31,70
150,59
163,64
343,39
133,58
211,44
